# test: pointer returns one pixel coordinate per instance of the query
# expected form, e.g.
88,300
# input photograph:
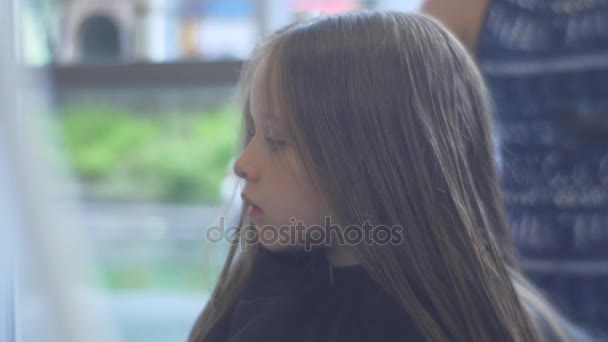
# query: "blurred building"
154,30
114,31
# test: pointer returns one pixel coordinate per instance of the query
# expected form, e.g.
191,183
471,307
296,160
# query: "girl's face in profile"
282,201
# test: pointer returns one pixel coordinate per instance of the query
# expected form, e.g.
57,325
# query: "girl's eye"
250,133
275,144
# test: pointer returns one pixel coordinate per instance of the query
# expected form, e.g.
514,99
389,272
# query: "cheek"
298,221
306,205
292,237
298,211
311,203
292,209
297,198
306,223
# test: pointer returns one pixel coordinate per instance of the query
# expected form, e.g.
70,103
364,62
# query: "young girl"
368,122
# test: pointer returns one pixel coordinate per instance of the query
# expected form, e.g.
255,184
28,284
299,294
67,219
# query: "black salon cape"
297,297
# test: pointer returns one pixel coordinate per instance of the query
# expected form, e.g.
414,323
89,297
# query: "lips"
255,210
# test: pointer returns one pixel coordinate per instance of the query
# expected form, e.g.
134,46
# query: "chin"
278,247
283,241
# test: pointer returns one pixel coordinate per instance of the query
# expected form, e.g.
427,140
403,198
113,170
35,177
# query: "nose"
244,168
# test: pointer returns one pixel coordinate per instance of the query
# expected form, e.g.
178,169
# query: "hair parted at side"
391,118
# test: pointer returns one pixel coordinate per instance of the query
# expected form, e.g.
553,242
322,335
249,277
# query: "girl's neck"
340,256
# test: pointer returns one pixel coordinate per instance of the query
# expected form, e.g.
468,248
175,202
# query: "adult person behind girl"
370,119
546,66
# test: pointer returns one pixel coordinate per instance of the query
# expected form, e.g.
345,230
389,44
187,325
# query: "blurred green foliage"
161,277
176,157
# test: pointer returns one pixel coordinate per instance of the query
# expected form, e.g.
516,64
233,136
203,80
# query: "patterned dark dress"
546,66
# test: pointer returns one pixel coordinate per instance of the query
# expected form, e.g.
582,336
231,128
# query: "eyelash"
250,133
274,144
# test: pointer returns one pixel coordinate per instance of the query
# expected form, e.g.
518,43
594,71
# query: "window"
138,96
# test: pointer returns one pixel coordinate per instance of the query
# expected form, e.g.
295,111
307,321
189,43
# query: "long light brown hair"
391,119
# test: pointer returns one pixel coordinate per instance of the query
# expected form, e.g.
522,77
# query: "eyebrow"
268,126
271,116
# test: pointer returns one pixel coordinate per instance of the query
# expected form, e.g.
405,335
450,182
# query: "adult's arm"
462,17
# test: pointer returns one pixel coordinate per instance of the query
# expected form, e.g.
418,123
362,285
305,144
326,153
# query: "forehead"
263,95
